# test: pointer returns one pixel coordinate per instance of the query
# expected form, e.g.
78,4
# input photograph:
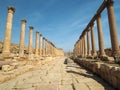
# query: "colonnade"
81,45
43,47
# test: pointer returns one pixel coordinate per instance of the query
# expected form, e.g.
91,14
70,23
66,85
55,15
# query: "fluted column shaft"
100,36
7,37
22,38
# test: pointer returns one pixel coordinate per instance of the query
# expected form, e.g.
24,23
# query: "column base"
116,53
89,57
30,56
107,58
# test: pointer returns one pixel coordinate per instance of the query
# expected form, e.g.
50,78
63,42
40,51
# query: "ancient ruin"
45,66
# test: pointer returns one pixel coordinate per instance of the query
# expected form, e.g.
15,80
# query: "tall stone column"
100,36
46,47
43,46
22,38
88,43
85,50
36,44
30,41
81,46
51,49
7,37
41,49
113,30
93,41
77,48
83,54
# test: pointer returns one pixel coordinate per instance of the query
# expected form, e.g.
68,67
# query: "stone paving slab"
56,75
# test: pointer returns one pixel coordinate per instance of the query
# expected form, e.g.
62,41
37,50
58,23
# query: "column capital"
31,27
92,24
98,15
43,37
109,2
11,9
23,20
37,32
40,34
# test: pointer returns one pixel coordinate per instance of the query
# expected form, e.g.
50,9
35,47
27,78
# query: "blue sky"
60,21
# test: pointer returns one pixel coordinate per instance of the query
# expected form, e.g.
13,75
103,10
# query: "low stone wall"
5,76
108,72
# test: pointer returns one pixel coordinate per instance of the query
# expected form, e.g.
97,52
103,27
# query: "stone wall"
14,48
108,72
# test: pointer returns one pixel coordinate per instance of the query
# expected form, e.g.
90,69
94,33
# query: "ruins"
45,67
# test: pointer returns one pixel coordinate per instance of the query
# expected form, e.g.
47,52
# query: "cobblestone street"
56,75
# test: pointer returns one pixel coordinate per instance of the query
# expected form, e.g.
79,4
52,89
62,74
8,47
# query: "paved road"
56,75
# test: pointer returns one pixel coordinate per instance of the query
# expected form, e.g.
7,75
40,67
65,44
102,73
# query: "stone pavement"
56,75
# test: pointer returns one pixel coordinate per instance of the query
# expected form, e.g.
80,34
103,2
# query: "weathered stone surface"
53,75
109,73
6,68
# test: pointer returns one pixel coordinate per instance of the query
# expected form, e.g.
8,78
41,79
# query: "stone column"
41,49
100,36
113,30
30,41
77,48
81,46
88,43
85,52
53,50
7,37
36,44
46,47
22,38
43,46
93,41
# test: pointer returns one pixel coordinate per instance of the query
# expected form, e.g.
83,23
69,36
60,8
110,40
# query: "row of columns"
42,45
86,32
